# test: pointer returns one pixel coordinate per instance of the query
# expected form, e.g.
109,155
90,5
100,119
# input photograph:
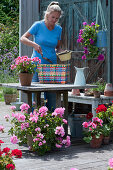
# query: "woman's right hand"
38,48
25,40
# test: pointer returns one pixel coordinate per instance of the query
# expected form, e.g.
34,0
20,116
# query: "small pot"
76,92
106,140
96,94
108,91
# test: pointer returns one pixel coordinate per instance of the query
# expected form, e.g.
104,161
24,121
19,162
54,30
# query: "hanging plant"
87,38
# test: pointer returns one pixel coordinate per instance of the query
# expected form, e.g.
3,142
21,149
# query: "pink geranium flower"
1,128
14,139
13,107
111,163
24,107
7,117
59,112
85,124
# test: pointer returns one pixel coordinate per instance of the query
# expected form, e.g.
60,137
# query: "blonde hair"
53,6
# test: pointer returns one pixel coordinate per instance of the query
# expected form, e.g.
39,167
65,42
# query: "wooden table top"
36,86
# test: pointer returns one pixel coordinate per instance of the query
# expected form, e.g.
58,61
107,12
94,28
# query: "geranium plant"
87,38
7,155
105,113
92,128
45,128
24,64
110,163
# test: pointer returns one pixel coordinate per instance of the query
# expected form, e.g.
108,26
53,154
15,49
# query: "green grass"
1,95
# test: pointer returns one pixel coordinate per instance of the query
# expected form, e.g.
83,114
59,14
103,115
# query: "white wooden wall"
28,14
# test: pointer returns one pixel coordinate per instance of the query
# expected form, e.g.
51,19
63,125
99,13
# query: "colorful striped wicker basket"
54,73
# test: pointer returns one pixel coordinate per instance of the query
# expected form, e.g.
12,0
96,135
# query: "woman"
47,36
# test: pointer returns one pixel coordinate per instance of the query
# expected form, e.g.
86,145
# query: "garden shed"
75,13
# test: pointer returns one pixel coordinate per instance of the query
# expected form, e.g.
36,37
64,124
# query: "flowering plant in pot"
87,38
25,65
45,128
105,113
106,133
93,131
7,155
110,163
10,95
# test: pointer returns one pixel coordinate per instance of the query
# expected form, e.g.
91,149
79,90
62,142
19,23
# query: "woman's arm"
58,47
25,40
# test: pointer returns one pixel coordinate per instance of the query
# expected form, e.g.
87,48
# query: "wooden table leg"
29,100
94,106
58,99
38,98
65,102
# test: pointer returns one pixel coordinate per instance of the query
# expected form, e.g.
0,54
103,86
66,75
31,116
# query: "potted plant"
87,38
25,67
106,132
45,129
10,95
100,89
93,132
105,113
110,163
96,93
7,155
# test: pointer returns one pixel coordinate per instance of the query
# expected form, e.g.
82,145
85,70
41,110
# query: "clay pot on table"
96,94
108,90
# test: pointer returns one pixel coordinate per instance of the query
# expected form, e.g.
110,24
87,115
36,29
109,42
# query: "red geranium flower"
10,166
17,153
6,150
89,115
1,141
101,108
1,153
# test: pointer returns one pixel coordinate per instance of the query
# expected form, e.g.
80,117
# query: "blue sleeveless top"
47,39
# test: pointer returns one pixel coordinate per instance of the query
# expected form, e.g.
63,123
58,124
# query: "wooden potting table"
37,88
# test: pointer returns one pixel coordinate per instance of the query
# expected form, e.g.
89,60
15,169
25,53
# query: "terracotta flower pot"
96,142
96,94
25,79
108,91
106,140
10,98
29,141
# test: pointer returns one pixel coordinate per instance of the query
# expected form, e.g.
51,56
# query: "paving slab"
79,155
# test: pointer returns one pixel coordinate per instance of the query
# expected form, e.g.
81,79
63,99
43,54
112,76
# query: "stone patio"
79,155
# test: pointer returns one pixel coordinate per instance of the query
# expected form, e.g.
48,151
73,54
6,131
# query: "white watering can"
80,77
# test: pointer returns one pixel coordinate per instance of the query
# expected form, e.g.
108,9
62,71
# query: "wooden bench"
89,100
